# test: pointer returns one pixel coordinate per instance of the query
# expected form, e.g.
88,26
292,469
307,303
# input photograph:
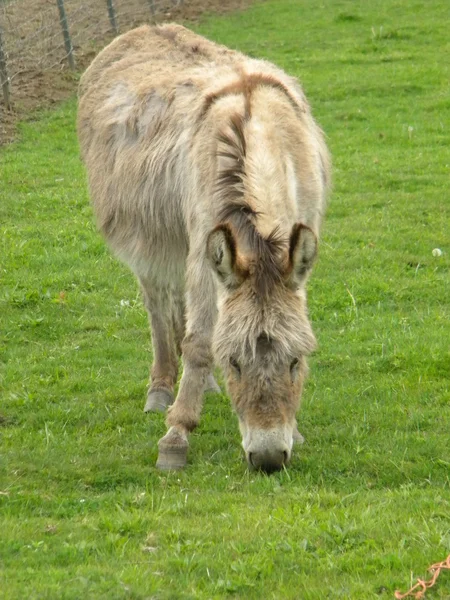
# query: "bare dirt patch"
40,81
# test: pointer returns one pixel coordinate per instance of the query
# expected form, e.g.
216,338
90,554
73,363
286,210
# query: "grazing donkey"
208,177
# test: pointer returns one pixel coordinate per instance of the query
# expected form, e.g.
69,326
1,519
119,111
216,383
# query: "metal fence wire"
44,34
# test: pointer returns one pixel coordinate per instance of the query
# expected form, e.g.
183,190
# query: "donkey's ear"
302,252
221,252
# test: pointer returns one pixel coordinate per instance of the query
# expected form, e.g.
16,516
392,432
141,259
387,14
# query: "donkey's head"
262,333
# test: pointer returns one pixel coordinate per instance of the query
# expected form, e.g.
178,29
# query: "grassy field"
365,506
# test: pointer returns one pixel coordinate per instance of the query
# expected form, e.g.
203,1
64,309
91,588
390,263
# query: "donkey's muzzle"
268,460
267,450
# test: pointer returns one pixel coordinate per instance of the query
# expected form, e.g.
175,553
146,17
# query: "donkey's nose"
268,460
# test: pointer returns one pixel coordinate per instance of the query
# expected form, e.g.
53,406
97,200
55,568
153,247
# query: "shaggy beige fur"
208,177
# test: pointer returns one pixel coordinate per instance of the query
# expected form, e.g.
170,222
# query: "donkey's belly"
156,254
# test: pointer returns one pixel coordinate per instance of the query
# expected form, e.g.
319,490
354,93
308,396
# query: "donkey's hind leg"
159,304
179,325
211,384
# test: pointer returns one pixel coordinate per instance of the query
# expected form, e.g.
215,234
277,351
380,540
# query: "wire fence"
38,35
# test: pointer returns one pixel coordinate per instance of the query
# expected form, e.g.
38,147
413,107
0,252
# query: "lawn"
364,507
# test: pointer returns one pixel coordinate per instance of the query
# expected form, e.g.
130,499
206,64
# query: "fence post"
4,79
152,6
112,16
65,29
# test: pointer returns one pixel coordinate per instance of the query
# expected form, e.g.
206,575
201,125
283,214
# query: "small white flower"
437,252
124,303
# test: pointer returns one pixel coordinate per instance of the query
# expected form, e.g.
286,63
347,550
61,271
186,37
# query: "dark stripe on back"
246,85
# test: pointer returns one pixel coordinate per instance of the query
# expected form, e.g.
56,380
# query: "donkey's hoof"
173,448
298,438
158,400
211,384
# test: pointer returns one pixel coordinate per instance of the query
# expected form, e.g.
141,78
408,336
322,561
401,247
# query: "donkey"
208,177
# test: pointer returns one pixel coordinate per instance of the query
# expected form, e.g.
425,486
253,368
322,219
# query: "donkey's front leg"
183,416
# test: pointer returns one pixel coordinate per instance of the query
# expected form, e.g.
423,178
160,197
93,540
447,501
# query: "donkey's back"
165,52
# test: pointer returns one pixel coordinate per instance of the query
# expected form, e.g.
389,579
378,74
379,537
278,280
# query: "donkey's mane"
266,268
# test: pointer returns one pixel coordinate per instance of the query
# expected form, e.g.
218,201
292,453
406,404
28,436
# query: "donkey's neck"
270,179
256,171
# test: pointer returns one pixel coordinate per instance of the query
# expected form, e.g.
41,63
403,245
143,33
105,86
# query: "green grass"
365,506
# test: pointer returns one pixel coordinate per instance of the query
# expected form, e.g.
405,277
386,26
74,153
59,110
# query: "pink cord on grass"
424,585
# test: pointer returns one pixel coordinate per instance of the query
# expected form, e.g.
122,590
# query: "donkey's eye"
234,363
294,370
294,364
